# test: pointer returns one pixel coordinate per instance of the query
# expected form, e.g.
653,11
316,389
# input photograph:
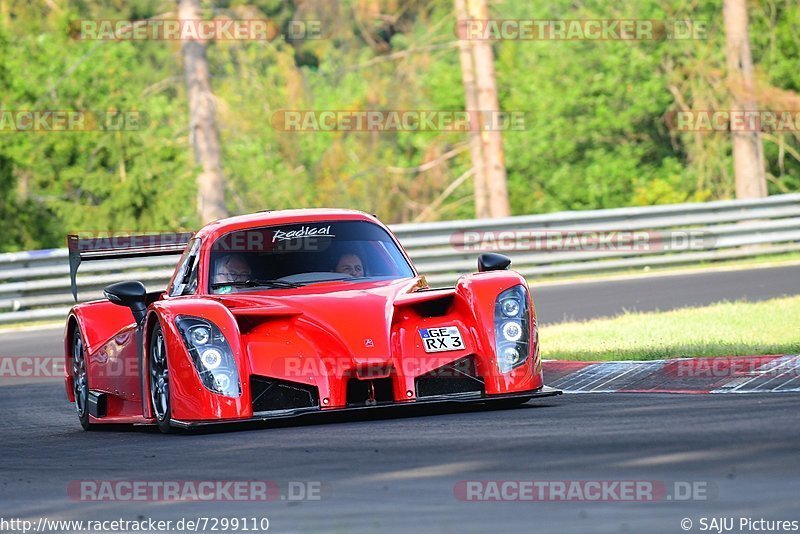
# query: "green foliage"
594,137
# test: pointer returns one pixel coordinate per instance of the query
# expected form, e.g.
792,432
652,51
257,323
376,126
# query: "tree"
471,99
748,149
203,131
480,86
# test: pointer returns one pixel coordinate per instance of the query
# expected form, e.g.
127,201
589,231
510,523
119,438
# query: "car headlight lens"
200,335
510,357
211,354
512,328
512,331
510,307
211,358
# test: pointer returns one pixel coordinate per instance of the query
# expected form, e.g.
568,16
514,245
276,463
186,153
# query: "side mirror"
131,294
490,261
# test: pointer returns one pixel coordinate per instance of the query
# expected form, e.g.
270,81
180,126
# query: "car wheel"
80,380
159,380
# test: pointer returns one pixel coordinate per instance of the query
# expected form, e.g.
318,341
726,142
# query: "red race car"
284,313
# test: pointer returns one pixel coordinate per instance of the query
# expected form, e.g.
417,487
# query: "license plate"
441,339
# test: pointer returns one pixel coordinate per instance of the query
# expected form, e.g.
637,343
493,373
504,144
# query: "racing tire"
80,379
158,369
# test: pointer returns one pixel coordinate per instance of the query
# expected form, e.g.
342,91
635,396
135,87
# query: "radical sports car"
284,313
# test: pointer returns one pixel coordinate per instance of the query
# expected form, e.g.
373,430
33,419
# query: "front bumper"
440,400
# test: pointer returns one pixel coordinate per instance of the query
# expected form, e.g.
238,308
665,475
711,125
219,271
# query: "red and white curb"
741,374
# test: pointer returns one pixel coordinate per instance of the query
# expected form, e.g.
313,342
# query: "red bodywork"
322,335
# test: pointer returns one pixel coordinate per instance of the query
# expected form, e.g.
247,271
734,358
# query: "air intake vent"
270,394
369,392
455,378
435,308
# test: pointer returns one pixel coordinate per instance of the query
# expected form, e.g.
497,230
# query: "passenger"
350,263
231,268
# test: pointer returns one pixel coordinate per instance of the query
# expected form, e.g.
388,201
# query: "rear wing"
121,247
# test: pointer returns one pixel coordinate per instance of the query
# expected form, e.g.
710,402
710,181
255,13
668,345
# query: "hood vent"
434,308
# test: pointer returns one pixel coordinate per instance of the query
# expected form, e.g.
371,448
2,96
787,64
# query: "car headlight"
510,306
211,354
512,328
200,334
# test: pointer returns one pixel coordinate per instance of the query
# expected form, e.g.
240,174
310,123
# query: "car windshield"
292,255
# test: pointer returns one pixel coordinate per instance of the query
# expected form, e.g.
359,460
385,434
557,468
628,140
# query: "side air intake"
456,378
270,394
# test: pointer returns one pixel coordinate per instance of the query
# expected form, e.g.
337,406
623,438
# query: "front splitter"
438,400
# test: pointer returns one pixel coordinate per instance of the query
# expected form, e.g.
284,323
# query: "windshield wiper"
257,282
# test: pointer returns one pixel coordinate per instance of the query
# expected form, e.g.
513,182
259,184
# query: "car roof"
292,216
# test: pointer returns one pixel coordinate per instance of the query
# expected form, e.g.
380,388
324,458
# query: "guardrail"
34,285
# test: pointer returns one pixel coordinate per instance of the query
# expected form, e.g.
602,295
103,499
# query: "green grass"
725,329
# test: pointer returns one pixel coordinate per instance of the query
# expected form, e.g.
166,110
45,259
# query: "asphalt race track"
403,472
399,475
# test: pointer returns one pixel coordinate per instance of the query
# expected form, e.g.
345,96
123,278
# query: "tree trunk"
203,132
748,149
471,94
494,158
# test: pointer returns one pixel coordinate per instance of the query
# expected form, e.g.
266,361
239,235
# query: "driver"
350,263
231,268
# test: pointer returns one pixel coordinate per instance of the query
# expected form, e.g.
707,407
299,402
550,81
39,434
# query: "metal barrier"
34,285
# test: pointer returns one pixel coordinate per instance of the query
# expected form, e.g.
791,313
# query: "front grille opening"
359,392
271,394
434,308
456,377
